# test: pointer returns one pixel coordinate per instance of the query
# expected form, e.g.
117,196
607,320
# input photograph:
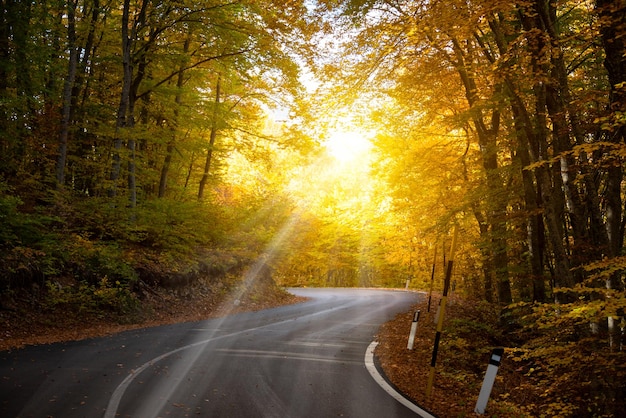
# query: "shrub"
91,260
85,298
29,243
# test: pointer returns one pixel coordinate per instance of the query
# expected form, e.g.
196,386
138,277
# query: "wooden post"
442,309
432,279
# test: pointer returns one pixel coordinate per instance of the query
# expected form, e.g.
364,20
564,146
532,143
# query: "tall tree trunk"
132,149
487,141
165,169
192,161
122,110
5,51
21,38
138,24
543,196
483,227
86,181
485,253
5,55
534,222
132,176
130,85
586,219
171,144
613,31
84,70
212,137
15,85
523,131
549,181
548,191
67,92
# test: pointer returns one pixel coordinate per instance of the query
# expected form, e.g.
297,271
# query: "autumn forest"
165,144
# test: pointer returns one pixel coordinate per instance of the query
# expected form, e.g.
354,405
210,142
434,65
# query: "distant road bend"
303,360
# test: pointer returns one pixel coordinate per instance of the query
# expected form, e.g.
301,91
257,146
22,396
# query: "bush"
573,371
91,260
85,298
28,242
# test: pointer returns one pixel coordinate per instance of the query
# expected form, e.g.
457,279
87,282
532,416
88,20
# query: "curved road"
304,360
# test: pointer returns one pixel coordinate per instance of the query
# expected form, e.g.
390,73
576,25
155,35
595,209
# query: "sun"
348,146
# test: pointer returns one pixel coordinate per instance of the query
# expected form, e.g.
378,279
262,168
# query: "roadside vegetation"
545,372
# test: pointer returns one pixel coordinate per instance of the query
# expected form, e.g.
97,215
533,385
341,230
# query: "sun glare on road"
348,146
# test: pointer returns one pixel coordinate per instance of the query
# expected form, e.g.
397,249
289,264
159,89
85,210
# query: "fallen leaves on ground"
24,322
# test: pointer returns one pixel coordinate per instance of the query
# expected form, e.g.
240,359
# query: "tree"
528,74
212,137
137,77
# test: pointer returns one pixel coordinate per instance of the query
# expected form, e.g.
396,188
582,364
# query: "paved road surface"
304,360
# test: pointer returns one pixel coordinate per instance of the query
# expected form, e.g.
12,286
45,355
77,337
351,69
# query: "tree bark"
171,144
5,55
67,93
212,137
613,32
534,222
534,131
121,120
487,141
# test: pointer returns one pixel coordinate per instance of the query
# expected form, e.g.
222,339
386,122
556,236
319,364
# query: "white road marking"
314,344
371,367
118,393
284,355
116,397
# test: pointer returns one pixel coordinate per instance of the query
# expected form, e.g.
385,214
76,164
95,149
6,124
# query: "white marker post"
416,317
490,377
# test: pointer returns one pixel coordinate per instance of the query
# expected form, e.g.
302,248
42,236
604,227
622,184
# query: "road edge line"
371,367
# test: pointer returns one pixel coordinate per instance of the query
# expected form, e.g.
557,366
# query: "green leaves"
84,298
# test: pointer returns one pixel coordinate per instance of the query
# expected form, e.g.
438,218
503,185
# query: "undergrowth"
551,368
84,298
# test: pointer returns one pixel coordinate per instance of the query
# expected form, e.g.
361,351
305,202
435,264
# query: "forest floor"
23,322
28,320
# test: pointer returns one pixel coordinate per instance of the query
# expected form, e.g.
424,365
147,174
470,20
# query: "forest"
150,144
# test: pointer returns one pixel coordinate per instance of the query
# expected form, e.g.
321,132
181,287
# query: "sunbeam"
172,376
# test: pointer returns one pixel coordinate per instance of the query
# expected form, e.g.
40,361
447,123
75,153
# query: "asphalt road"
304,360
